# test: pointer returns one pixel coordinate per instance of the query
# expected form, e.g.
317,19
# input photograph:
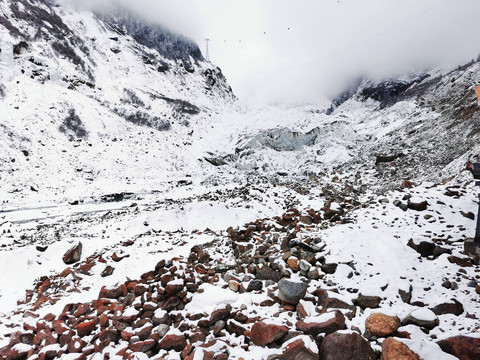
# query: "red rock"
103,320
112,335
173,342
396,350
297,350
142,346
172,289
112,292
337,322
331,302
205,355
85,328
44,337
263,334
126,335
73,254
16,353
220,314
382,325
463,347
118,258
339,346
66,337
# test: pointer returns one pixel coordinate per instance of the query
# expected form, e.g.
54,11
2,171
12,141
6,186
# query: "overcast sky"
301,50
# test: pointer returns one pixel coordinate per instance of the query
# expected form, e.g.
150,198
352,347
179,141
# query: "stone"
463,347
381,325
293,264
263,334
423,318
220,314
331,302
255,285
455,308
234,285
113,292
162,330
73,254
417,204
299,348
327,323
173,342
142,346
267,273
85,328
424,248
339,346
472,249
396,350
365,301
291,292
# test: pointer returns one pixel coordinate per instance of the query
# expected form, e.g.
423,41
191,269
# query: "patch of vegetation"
73,127
144,119
132,98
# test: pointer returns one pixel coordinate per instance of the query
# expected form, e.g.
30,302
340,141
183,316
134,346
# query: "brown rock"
396,350
365,301
338,346
293,264
173,342
382,325
455,308
337,322
331,302
420,205
142,346
73,254
112,292
297,350
85,328
463,347
263,334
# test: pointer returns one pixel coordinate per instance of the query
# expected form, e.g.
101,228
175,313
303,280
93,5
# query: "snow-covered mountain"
145,212
76,87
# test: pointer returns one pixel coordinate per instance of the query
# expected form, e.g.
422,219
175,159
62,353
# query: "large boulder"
338,346
291,292
422,317
326,323
463,347
263,334
396,350
382,325
73,254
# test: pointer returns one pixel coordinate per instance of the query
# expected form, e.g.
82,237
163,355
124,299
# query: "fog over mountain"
283,51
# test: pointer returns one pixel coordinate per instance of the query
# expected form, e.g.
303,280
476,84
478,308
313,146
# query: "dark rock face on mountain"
168,44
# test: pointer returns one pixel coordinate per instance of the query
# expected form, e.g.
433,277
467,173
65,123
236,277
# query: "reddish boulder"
173,342
299,348
338,346
395,350
463,347
382,325
263,334
85,328
112,292
327,326
73,254
142,346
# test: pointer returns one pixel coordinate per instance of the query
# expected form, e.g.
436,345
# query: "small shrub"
73,127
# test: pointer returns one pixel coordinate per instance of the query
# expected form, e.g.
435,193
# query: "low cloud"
284,51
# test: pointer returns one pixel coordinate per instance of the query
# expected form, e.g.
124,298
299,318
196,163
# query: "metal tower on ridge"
207,56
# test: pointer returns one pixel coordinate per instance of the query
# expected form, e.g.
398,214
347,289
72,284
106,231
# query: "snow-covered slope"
203,227
76,91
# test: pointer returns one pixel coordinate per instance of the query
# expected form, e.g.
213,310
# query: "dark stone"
73,255
346,346
463,347
425,248
267,273
255,285
455,308
368,301
291,292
